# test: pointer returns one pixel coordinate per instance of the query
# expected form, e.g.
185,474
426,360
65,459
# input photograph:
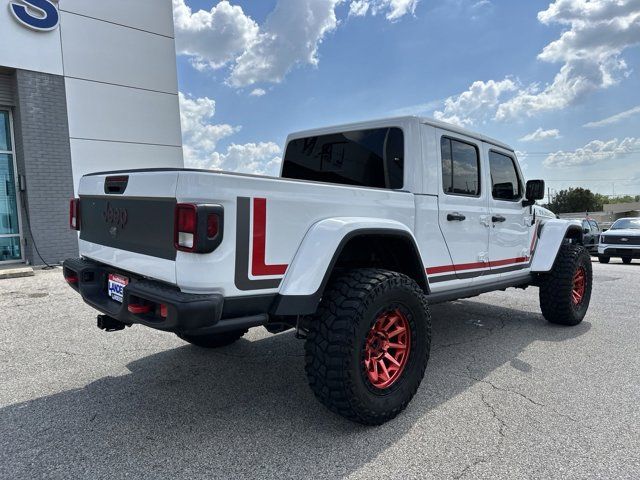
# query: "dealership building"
85,86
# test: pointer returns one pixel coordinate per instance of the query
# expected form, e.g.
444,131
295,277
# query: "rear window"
368,158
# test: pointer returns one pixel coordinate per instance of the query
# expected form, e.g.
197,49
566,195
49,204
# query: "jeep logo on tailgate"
116,217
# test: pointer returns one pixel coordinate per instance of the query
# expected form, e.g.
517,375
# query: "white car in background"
622,240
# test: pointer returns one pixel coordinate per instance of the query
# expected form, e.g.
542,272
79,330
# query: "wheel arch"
553,233
335,244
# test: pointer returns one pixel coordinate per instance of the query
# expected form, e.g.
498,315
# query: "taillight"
74,214
213,223
198,228
186,227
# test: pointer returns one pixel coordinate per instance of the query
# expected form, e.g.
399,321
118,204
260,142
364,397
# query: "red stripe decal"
508,261
258,264
474,266
453,268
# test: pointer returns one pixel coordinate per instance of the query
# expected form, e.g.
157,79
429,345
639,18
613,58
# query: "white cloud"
290,36
391,9
225,36
481,4
259,158
212,38
590,50
541,134
258,92
476,104
359,8
614,118
633,181
596,151
419,109
199,136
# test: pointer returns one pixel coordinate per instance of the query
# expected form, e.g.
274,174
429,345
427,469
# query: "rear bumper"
619,251
183,312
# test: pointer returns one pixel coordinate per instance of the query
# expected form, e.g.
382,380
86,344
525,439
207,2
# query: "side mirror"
534,191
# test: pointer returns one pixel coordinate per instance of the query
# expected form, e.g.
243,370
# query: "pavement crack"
502,426
498,388
472,465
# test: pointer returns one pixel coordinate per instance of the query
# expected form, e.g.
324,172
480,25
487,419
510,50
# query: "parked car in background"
622,240
591,234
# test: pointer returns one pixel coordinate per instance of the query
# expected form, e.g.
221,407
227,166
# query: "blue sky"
558,81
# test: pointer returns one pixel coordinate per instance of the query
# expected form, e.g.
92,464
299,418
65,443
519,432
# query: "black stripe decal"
467,275
243,232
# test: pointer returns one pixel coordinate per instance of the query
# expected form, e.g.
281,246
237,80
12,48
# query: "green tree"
576,200
623,199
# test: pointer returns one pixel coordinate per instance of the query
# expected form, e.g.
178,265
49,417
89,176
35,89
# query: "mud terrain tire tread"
332,345
555,289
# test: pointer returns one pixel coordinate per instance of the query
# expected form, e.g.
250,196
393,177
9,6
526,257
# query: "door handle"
498,219
456,217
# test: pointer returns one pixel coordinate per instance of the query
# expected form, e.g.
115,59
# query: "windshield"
625,223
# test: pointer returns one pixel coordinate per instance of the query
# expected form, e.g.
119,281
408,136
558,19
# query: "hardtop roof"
389,121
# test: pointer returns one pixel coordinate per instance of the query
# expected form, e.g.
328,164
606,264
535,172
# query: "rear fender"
309,272
552,235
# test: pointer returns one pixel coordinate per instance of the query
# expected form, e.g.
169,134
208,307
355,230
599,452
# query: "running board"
472,291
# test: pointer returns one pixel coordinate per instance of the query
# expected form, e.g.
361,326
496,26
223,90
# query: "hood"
627,232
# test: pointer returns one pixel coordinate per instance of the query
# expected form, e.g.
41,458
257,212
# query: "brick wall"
44,158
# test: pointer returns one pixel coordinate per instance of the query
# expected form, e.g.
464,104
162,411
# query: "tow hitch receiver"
109,324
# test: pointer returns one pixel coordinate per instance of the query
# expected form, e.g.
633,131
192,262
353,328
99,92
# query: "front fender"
314,257
552,235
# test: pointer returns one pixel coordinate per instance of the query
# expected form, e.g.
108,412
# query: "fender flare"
552,234
309,272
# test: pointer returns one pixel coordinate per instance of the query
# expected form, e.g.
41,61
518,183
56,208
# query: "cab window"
594,225
460,167
367,158
505,183
586,226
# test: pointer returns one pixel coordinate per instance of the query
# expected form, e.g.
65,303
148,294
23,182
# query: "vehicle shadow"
246,410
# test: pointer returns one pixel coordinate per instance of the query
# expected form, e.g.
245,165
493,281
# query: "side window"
460,167
594,225
586,226
505,184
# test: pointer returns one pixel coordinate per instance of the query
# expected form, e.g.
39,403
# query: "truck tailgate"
127,220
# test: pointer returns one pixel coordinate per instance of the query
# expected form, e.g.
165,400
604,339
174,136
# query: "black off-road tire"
627,260
335,344
603,259
557,286
213,341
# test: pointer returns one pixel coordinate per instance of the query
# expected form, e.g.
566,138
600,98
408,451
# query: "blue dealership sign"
40,15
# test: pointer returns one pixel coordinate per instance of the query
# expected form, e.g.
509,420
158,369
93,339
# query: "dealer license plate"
116,285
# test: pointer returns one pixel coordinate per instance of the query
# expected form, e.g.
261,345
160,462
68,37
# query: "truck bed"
265,220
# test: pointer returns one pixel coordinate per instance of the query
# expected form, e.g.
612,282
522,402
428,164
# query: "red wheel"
579,286
368,344
387,348
565,292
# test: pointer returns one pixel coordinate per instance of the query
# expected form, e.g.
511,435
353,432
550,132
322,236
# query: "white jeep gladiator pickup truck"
368,224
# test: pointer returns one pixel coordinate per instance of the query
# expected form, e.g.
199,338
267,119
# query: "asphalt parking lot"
506,395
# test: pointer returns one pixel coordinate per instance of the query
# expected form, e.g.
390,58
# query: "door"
511,224
10,233
591,235
463,207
